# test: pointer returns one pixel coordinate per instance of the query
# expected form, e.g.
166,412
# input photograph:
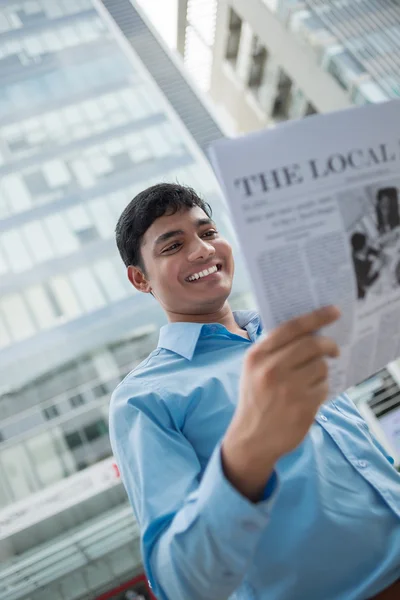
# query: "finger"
289,361
313,373
300,327
307,349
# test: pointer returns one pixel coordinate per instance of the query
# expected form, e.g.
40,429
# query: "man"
367,263
244,483
387,210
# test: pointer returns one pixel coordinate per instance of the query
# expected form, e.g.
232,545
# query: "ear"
138,280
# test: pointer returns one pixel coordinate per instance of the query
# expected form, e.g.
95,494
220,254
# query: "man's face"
177,250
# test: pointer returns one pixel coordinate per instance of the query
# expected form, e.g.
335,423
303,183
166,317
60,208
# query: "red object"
126,586
116,470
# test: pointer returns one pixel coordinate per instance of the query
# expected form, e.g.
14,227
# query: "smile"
205,273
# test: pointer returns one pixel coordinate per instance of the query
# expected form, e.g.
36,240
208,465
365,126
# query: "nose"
200,250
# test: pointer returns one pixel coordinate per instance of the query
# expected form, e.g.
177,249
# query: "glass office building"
92,110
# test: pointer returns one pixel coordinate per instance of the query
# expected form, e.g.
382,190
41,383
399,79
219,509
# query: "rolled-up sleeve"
198,533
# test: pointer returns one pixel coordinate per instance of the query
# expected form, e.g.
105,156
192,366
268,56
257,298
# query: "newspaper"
315,204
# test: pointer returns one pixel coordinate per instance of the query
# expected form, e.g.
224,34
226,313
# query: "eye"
173,247
210,233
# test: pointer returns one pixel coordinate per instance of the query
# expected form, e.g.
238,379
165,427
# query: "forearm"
205,552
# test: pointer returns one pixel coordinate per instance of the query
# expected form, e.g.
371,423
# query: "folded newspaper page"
315,204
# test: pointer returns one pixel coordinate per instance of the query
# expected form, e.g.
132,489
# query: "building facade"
92,110
280,59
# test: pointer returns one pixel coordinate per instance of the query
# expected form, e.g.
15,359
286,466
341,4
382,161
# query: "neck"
223,316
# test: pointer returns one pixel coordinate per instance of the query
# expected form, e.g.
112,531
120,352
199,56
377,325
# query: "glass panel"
18,470
103,217
15,251
56,173
82,173
5,497
61,236
65,296
95,430
4,335
16,316
110,280
3,264
16,192
78,218
43,453
40,306
87,289
63,451
38,241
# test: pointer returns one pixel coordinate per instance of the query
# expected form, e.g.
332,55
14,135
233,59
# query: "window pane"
18,471
56,173
47,463
87,289
4,335
15,251
65,296
17,317
38,241
102,217
95,430
78,218
82,173
61,236
16,193
3,264
40,306
110,281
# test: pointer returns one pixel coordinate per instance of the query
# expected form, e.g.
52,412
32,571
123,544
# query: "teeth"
203,273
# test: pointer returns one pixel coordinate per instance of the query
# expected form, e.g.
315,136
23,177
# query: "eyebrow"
164,237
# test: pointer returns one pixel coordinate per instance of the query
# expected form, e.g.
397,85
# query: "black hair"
358,240
144,209
390,192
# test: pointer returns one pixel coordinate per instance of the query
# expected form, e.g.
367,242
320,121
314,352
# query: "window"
17,317
61,235
40,306
81,224
76,400
51,412
56,174
259,57
102,217
87,289
95,430
65,296
4,335
38,241
16,251
16,192
234,33
110,281
73,440
282,98
100,390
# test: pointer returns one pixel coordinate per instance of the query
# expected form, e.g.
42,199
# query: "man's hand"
284,382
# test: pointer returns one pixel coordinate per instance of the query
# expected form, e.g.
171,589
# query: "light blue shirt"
330,530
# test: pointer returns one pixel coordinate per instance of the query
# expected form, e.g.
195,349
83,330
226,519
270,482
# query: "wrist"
246,468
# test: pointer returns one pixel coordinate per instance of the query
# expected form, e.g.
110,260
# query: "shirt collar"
182,338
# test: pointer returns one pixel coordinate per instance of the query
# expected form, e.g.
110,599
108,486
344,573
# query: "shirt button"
362,463
323,418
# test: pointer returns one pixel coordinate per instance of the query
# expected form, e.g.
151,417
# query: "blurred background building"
264,61
93,108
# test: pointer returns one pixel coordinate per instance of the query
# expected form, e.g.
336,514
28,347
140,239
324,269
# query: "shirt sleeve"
354,413
198,533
